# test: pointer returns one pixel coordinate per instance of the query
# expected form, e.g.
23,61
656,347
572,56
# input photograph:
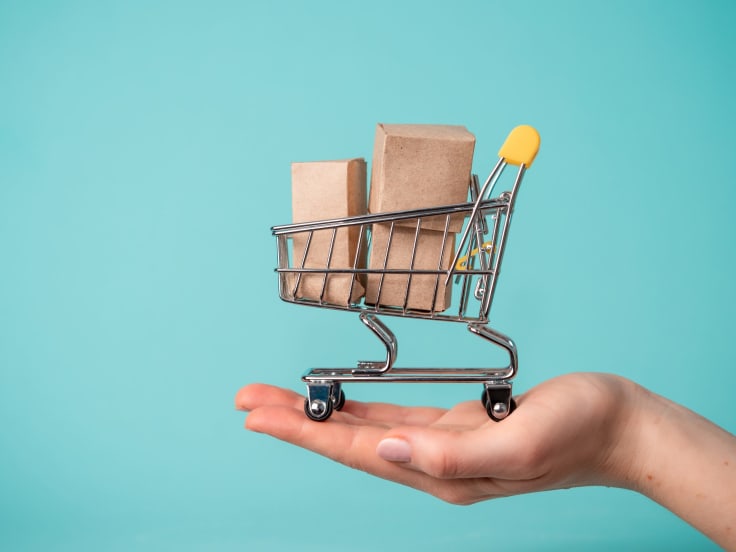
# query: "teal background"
144,156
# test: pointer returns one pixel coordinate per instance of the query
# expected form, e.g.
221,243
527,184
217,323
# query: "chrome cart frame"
473,272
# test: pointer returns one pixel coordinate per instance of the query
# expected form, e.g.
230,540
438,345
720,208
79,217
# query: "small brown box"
421,166
427,292
324,190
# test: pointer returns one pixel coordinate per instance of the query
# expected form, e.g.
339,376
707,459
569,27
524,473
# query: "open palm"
562,434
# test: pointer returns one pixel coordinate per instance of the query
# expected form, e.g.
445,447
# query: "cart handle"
521,146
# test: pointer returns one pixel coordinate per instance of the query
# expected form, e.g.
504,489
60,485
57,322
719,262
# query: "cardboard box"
324,190
426,292
421,166
337,289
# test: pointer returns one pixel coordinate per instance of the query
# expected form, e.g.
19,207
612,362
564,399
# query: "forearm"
685,463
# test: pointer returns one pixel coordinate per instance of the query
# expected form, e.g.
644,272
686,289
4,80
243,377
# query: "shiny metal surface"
481,249
388,339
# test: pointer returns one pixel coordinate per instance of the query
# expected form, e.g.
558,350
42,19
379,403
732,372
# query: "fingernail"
394,450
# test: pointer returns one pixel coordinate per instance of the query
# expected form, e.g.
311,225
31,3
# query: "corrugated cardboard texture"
325,190
422,287
421,166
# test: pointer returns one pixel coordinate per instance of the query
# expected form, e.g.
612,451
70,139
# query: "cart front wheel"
317,409
340,400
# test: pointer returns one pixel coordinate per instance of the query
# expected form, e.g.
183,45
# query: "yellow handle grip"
521,146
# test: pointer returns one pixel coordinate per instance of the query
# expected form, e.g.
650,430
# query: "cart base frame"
324,385
325,394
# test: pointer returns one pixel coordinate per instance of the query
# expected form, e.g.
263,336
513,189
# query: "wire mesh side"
391,277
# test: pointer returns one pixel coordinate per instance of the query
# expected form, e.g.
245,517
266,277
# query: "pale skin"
574,430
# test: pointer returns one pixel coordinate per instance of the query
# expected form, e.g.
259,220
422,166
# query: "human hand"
573,430
566,432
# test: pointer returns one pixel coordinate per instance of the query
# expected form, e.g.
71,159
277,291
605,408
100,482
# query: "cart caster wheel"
340,400
497,410
318,410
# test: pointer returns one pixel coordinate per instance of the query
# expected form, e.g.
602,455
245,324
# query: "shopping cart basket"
472,274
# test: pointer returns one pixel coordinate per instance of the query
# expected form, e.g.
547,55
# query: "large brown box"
324,190
421,166
427,292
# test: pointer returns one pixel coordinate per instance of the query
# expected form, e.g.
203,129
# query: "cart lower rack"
415,284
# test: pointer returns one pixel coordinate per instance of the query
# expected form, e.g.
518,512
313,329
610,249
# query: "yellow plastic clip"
521,146
462,262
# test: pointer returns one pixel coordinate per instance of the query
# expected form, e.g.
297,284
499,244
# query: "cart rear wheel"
497,410
318,410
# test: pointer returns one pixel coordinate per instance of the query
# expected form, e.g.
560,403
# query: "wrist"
678,459
625,445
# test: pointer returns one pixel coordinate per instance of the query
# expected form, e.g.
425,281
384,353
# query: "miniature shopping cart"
472,275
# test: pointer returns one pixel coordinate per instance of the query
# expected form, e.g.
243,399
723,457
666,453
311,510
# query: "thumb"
447,454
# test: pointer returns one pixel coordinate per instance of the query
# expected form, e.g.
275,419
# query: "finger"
355,447
332,438
394,414
494,450
352,444
465,415
258,394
